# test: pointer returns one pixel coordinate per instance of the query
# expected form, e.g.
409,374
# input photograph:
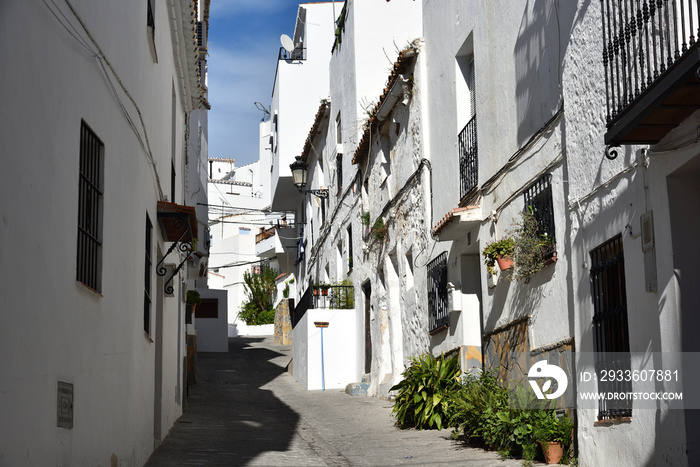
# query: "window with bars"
610,329
150,17
339,171
437,293
538,200
147,278
89,258
349,237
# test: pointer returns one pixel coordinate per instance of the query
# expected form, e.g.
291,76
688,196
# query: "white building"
541,141
92,188
301,81
372,338
509,109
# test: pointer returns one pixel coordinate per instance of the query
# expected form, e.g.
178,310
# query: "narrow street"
247,410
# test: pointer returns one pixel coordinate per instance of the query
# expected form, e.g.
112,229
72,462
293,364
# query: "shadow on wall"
543,37
230,419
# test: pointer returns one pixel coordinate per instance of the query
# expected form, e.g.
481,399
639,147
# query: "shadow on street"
229,419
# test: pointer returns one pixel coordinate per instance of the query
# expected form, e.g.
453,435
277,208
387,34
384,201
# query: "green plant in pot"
554,435
532,249
379,229
500,249
193,299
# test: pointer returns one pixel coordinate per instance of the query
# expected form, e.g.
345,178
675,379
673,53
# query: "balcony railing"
265,234
318,297
297,54
468,158
644,43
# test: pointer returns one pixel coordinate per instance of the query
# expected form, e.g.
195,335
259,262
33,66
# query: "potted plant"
193,299
554,435
532,250
500,251
324,289
379,229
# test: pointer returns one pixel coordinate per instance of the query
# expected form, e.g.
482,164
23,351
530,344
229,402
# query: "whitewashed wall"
605,199
298,87
341,360
55,329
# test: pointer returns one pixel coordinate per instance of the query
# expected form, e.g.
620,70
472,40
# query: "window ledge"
87,287
439,329
613,421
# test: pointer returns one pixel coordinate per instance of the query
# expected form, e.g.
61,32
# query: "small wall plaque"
65,405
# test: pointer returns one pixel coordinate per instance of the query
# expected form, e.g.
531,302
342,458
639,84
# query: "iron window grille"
89,258
339,171
150,19
610,328
468,158
538,199
147,278
437,293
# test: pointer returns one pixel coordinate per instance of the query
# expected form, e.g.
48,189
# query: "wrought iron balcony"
319,297
297,54
468,159
651,59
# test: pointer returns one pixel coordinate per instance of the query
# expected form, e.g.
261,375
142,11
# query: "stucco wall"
55,329
340,365
212,333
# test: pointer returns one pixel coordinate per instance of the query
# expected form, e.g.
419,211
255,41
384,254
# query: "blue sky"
244,39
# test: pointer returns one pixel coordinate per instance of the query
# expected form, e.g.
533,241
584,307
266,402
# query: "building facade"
515,127
96,152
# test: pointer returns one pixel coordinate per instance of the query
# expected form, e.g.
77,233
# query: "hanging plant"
379,229
499,250
532,250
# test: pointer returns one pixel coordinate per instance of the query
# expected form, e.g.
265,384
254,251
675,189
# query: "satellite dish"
287,43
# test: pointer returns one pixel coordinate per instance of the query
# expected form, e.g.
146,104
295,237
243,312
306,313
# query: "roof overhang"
457,223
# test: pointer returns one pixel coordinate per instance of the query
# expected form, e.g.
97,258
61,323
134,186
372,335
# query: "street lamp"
299,172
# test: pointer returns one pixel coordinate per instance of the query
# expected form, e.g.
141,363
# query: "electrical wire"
105,64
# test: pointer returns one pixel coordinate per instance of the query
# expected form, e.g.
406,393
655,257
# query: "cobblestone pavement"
246,409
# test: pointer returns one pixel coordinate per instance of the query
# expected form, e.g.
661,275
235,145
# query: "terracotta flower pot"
324,292
553,451
505,263
316,292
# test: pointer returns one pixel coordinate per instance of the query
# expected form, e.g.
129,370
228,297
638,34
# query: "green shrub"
422,401
480,409
260,290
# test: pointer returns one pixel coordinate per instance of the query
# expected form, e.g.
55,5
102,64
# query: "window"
468,147
437,293
150,17
89,261
339,171
243,231
610,329
147,278
349,248
338,130
538,199
173,179
151,26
